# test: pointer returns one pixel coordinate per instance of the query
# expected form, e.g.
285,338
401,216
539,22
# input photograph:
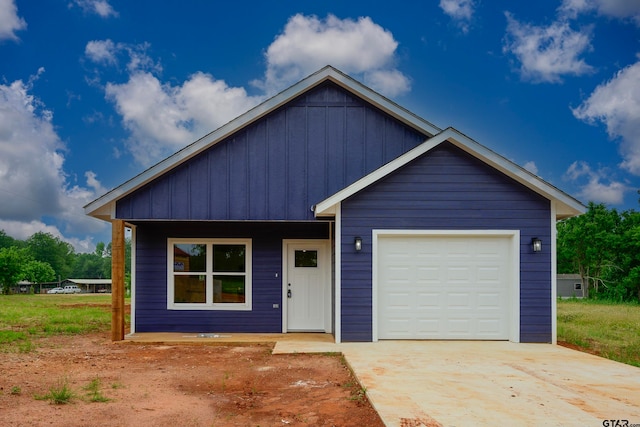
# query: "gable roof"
565,205
104,206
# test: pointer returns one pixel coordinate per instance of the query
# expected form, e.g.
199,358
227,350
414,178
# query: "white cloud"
619,9
392,81
99,7
531,167
10,22
596,186
616,103
163,118
461,11
106,52
547,53
355,47
33,183
102,51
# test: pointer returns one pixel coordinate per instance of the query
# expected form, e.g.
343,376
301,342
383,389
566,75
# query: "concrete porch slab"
225,338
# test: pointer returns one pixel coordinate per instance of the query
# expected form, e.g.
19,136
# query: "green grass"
24,318
93,393
608,329
59,394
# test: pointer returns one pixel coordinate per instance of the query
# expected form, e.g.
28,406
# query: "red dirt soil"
178,385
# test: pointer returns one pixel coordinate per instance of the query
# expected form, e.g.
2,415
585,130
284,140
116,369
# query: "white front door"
307,289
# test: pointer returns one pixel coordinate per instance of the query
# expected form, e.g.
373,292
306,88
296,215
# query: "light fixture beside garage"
357,243
536,244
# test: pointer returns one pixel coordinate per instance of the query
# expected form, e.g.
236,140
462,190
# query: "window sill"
220,307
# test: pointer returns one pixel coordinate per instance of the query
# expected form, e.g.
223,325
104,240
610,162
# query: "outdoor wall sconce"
358,244
536,244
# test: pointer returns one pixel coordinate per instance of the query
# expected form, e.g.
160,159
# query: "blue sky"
92,92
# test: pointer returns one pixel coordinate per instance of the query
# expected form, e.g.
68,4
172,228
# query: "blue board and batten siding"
272,170
279,166
446,189
266,240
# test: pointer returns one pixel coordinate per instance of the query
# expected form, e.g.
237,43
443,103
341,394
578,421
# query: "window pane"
228,289
306,258
189,257
228,258
190,289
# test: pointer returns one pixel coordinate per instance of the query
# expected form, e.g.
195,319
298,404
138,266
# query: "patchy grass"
27,317
60,394
93,393
607,329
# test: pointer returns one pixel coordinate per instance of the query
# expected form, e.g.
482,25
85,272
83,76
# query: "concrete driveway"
461,383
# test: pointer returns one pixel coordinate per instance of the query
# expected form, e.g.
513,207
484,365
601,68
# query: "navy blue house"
328,208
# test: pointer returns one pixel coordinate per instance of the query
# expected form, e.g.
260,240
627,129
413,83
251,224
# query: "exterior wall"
446,189
151,275
279,166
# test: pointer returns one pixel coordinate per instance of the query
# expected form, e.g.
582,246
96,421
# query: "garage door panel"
424,328
399,300
489,274
427,300
458,274
489,301
458,326
447,287
458,300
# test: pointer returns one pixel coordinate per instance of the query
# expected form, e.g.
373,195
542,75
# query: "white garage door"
444,287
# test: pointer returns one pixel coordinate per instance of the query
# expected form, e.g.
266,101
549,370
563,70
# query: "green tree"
38,272
628,250
12,260
91,266
7,241
52,250
101,249
587,244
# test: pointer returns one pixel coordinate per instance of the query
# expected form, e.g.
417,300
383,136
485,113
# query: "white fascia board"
326,73
566,205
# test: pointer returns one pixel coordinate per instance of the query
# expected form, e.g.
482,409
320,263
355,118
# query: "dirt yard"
181,385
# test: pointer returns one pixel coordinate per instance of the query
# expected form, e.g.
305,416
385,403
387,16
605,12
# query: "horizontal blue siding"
151,275
446,189
279,166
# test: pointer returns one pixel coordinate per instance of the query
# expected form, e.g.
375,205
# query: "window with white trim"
209,274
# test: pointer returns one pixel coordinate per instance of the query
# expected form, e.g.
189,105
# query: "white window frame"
209,273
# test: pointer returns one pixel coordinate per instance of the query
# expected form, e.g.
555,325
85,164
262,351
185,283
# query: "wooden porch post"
117,280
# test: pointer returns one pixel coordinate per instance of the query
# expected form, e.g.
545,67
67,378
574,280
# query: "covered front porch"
277,263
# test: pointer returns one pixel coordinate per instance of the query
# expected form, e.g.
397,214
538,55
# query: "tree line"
45,258
603,246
